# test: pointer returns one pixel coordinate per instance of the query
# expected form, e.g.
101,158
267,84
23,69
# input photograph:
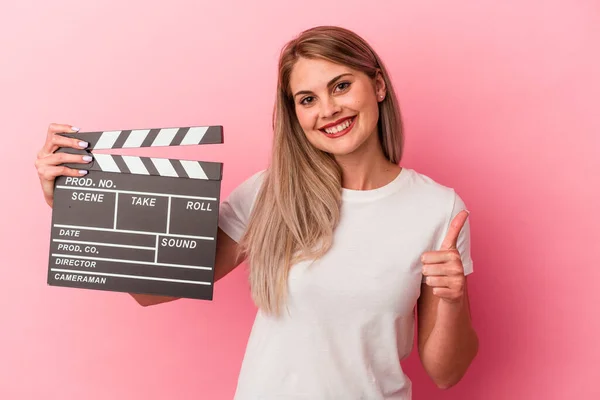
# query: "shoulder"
249,186
235,210
431,193
436,204
253,182
242,197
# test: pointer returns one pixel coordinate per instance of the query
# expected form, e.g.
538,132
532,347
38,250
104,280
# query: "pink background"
500,101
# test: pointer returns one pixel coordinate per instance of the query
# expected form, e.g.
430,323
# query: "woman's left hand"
443,269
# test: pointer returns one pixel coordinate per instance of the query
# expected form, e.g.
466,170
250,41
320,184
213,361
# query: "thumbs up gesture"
443,269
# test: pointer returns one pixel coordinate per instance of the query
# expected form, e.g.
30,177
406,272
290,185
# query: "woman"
341,241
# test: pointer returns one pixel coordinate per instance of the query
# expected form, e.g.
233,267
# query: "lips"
339,127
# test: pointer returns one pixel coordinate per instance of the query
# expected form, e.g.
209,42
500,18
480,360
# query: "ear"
380,88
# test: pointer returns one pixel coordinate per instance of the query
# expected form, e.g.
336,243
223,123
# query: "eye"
342,86
307,100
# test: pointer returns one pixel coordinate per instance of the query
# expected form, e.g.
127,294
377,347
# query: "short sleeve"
234,211
463,244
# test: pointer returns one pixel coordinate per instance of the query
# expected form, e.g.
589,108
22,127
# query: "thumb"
458,222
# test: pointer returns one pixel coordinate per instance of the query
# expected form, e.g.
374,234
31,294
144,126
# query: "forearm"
451,346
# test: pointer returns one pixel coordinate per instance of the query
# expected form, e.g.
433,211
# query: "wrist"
451,309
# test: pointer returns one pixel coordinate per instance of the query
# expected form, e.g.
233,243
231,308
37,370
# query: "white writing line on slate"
116,208
132,192
169,215
132,261
150,278
104,244
92,228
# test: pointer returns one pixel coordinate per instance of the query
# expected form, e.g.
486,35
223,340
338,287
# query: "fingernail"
74,128
87,158
83,145
82,172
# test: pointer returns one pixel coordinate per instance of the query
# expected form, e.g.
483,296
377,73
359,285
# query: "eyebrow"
331,82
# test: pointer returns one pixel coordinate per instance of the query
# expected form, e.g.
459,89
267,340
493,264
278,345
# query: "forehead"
313,74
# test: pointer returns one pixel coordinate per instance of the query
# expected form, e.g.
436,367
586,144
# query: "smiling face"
337,106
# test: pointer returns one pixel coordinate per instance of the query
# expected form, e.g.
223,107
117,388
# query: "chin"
339,148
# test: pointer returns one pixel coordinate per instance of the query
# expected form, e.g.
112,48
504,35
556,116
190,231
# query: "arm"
447,341
225,262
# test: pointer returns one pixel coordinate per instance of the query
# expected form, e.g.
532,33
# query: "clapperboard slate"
138,224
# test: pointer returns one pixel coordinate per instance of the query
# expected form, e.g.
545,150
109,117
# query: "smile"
339,128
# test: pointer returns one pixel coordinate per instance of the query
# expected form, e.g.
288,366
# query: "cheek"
369,108
363,103
306,118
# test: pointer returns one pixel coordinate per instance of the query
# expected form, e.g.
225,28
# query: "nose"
329,107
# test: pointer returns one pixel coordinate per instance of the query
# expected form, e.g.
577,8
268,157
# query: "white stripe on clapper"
165,137
106,163
107,140
194,135
136,138
193,169
135,165
164,167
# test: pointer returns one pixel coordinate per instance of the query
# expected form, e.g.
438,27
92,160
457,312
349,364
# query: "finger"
454,230
53,129
440,256
61,141
61,128
438,281
443,269
50,172
62,158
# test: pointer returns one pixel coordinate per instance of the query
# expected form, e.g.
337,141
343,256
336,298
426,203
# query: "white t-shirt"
350,315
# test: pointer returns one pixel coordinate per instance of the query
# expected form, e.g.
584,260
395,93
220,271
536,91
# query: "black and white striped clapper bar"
138,224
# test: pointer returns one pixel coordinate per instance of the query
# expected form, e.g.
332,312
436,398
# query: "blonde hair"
298,205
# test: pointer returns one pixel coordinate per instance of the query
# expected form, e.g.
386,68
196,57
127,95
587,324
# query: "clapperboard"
138,224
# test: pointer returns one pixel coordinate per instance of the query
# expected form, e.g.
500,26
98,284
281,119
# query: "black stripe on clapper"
179,168
90,137
212,170
121,139
149,165
179,136
150,138
214,134
121,164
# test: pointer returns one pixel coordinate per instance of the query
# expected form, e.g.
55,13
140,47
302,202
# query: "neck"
367,168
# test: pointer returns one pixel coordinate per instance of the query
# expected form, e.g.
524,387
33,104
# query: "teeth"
339,127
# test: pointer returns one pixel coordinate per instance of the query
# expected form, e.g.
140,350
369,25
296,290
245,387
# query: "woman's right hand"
47,162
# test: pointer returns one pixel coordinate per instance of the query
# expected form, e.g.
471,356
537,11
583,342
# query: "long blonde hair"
298,205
